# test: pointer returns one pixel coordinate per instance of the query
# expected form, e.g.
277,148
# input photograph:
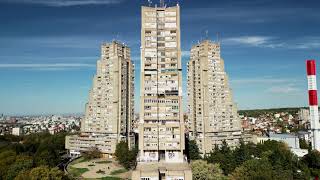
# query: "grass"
119,171
104,162
79,160
111,178
77,172
83,159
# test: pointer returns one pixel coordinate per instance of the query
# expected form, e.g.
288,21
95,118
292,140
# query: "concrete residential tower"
110,110
213,115
161,126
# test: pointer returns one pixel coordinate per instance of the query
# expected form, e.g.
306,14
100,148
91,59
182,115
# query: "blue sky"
49,48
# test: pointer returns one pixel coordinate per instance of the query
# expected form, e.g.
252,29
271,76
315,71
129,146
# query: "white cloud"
271,84
257,41
246,14
57,58
59,3
74,42
250,40
274,42
305,43
283,89
54,66
262,80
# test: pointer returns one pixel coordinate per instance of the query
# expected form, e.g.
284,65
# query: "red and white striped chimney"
313,104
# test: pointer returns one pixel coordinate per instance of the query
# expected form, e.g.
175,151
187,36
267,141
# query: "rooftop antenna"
218,37
161,3
117,37
207,35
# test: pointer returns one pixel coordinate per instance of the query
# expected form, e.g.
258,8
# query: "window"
175,107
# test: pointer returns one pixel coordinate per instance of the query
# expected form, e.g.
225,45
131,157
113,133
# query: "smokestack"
313,104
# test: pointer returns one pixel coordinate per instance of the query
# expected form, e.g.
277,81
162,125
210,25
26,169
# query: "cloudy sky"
49,48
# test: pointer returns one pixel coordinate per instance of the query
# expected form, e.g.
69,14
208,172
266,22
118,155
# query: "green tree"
201,170
312,161
20,154
56,174
48,148
193,150
7,158
45,173
127,158
242,153
223,156
23,175
31,142
132,157
121,152
39,173
303,144
46,157
253,169
283,161
92,153
284,164
21,163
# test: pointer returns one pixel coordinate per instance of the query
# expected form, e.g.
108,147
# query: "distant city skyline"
49,49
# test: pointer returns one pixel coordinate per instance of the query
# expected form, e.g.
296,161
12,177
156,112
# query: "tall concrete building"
303,116
110,110
161,126
213,115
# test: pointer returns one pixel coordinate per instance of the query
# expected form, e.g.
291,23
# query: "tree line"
32,157
36,156
258,112
265,161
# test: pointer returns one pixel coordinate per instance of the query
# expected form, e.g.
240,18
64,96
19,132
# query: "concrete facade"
17,131
291,140
110,110
161,126
304,116
213,116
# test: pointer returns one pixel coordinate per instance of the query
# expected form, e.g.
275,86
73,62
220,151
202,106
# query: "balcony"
172,93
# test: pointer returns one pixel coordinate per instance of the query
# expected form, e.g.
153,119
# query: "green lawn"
104,162
119,171
82,159
79,160
110,178
107,178
77,172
